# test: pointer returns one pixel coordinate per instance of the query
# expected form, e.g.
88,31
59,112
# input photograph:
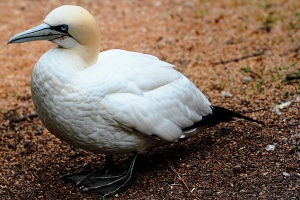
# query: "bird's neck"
88,54
69,60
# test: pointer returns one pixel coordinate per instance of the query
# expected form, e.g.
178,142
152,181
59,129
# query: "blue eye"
64,27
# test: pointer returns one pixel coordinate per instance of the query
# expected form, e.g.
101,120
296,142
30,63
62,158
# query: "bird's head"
70,27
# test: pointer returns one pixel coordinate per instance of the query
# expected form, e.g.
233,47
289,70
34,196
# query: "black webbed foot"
102,180
83,178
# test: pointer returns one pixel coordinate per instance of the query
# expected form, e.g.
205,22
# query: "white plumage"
125,102
113,102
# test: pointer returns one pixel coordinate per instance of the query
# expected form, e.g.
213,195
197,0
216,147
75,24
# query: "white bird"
113,102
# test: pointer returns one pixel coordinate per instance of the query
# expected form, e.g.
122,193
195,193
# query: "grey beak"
41,32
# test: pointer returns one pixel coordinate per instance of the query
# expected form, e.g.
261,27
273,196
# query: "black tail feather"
222,115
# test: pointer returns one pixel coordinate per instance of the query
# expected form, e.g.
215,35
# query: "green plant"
258,85
268,21
246,69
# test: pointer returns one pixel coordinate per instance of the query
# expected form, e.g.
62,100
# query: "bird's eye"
64,27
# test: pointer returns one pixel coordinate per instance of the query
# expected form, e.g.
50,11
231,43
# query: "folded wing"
152,98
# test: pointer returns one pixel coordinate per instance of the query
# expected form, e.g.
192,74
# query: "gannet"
111,102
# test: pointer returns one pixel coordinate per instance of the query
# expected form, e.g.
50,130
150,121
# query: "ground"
249,49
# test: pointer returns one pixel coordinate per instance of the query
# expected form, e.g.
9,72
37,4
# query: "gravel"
215,44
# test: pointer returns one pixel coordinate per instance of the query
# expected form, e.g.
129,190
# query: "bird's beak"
41,32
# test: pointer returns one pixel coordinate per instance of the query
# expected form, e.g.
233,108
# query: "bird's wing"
153,98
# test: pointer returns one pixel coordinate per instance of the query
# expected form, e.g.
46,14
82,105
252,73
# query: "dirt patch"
246,48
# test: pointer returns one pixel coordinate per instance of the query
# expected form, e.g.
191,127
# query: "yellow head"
72,28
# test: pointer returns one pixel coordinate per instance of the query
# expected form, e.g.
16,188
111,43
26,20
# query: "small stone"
285,104
277,111
188,4
286,174
270,147
225,94
247,79
296,136
279,107
157,4
239,169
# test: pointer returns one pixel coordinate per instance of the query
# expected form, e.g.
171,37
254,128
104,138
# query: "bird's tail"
219,115
224,115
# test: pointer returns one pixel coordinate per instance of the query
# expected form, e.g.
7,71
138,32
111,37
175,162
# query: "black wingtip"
221,114
218,116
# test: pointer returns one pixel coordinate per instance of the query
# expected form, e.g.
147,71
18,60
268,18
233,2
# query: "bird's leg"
84,177
111,184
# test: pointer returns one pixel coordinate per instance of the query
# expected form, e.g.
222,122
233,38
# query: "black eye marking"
61,28
64,28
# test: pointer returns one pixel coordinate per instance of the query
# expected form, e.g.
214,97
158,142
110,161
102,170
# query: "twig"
180,178
10,115
291,77
284,126
290,125
255,54
256,110
22,119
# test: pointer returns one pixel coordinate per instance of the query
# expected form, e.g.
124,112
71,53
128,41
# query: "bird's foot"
109,184
103,181
84,177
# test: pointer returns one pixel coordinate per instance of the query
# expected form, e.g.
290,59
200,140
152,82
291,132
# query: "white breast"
101,108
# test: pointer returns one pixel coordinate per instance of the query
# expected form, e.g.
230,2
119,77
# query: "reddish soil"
243,47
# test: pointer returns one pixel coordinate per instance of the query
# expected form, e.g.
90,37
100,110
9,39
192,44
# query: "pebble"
225,94
188,4
277,111
239,169
277,108
270,147
296,136
286,174
247,79
157,4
